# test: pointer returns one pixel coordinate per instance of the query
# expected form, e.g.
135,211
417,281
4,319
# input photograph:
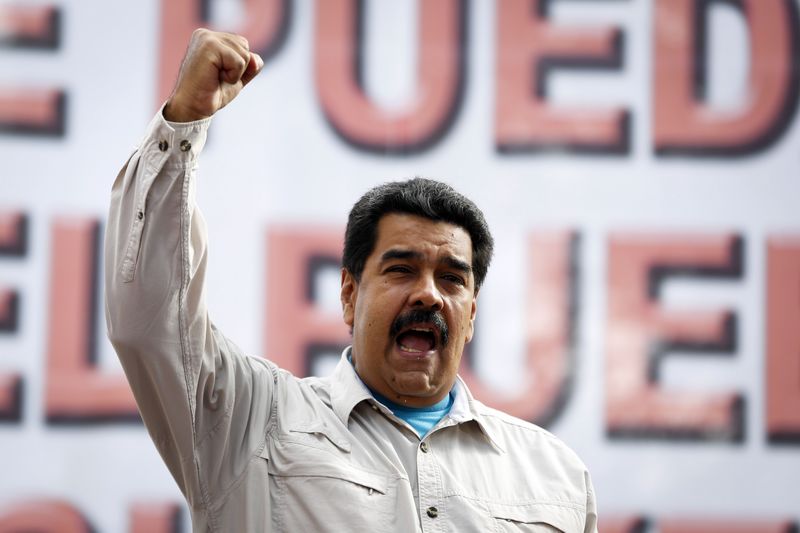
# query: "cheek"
464,317
371,316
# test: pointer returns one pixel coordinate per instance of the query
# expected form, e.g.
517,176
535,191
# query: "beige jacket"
255,449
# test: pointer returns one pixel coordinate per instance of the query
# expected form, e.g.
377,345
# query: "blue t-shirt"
421,419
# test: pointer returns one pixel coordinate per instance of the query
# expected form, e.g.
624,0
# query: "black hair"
422,197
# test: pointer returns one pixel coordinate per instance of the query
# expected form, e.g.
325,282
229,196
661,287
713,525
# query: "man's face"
413,309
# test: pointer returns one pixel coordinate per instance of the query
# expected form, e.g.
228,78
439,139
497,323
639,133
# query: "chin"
412,384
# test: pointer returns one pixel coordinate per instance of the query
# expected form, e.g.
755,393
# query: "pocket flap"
324,429
565,517
349,473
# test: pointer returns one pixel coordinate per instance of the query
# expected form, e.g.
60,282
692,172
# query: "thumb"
254,66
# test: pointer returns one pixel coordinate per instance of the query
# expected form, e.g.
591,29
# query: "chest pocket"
536,518
317,485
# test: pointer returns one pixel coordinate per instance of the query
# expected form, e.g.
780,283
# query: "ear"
473,312
348,295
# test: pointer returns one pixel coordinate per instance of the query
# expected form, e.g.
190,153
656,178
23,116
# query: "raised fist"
216,67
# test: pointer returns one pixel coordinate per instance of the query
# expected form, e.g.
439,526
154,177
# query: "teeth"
407,349
421,329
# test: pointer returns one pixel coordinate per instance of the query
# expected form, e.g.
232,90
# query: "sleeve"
591,507
205,404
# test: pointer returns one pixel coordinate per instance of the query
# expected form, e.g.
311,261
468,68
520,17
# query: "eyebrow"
458,264
450,261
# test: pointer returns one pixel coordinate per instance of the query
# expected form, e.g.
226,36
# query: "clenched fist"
216,67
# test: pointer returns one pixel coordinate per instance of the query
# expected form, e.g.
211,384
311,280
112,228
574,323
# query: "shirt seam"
556,503
187,164
218,502
186,347
387,475
201,440
437,471
215,501
523,425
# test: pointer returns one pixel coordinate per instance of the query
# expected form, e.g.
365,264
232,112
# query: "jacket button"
424,446
185,146
163,145
140,215
433,512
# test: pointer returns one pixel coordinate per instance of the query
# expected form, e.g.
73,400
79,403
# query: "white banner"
637,162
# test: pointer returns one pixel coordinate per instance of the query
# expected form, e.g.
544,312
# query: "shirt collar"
347,391
466,408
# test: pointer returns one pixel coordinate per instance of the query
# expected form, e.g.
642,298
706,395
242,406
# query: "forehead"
433,238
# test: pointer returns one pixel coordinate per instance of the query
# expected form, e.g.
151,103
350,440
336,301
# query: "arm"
194,388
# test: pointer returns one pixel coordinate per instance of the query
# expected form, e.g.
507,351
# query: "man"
393,440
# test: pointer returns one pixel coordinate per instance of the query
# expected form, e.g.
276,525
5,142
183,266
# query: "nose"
426,294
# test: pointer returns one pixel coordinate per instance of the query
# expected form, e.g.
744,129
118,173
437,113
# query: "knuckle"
203,39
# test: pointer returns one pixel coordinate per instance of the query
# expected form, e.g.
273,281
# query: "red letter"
551,300
76,391
683,123
265,25
438,95
45,516
10,397
13,243
298,330
527,47
9,310
732,526
640,333
31,110
783,340
623,525
13,234
24,26
155,518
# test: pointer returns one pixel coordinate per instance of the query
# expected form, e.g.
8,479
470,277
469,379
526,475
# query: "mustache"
420,316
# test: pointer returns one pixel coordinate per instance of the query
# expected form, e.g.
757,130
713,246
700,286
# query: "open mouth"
419,331
417,339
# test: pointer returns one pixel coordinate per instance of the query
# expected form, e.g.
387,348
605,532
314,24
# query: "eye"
454,278
400,269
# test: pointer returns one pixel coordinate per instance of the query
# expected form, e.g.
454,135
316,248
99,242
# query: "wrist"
174,112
